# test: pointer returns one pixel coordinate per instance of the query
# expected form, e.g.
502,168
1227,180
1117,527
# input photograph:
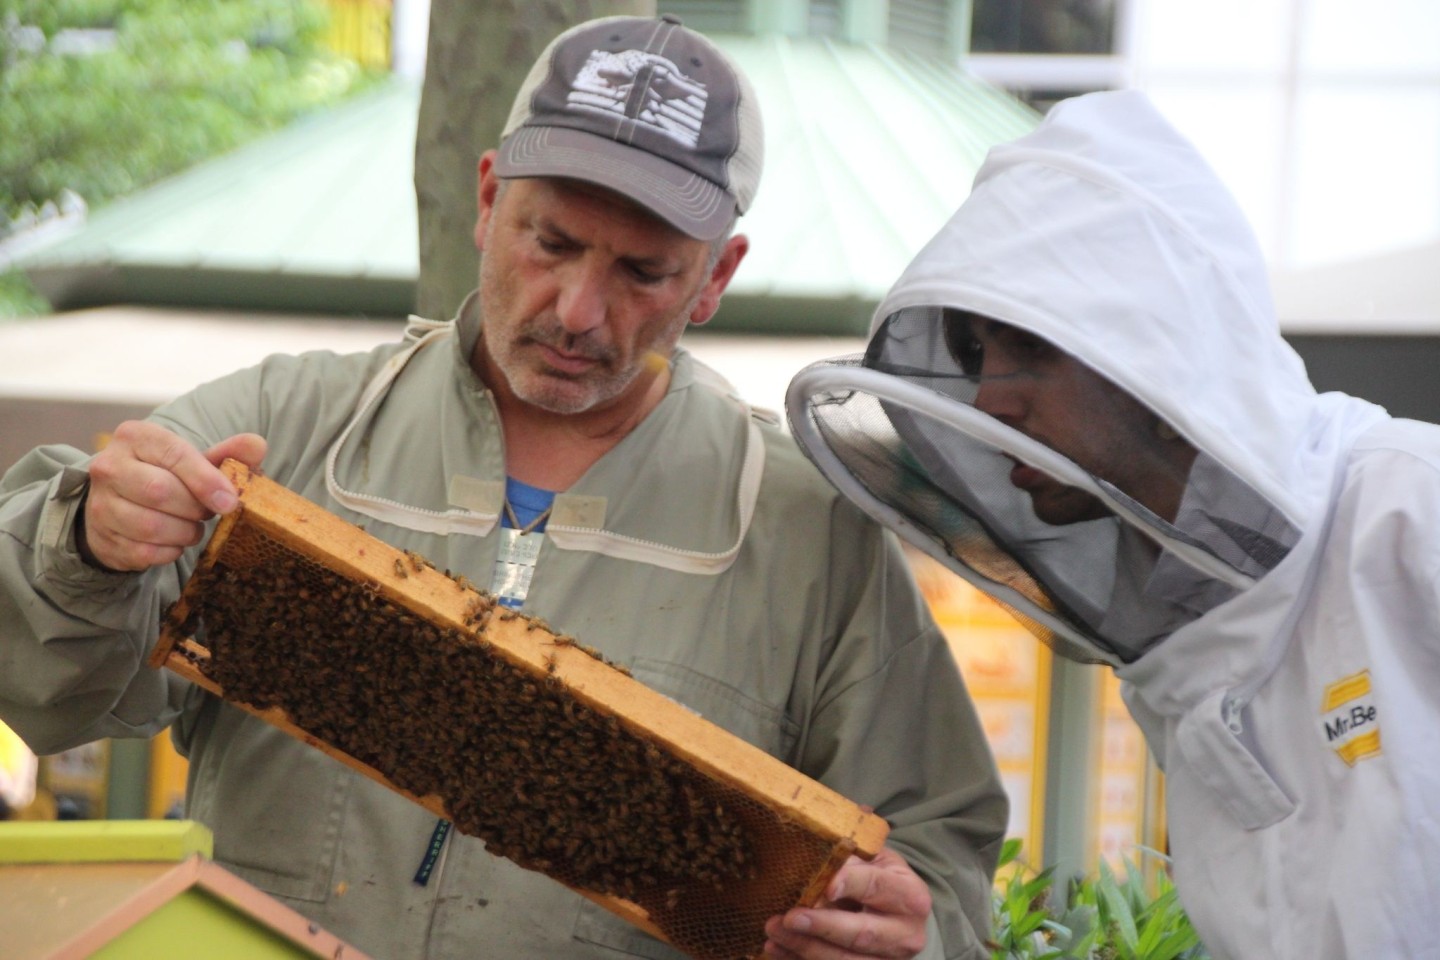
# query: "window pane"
1043,26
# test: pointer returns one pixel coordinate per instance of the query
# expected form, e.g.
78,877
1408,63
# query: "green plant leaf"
1115,910
1009,851
1102,917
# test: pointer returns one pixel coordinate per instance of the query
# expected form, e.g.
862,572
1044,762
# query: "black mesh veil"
897,431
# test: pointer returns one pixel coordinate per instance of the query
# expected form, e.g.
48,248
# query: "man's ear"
735,249
487,187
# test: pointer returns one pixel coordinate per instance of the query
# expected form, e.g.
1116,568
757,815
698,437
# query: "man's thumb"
248,448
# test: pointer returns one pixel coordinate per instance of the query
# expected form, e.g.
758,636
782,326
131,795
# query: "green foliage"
1103,918
100,98
18,298
179,81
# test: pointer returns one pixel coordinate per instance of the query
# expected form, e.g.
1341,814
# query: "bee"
476,609
400,569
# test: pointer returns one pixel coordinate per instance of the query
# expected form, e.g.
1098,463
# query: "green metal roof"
868,151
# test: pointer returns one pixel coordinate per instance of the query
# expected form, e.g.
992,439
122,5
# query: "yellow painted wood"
93,841
77,911
44,906
197,924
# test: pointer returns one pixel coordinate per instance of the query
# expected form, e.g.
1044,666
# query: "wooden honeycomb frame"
829,821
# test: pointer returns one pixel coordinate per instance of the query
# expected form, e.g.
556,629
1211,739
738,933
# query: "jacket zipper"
1230,711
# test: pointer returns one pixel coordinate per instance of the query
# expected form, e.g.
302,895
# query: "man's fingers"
151,492
875,908
885,884
118,476
152,444
823,934
121,535
775,951
143,525
120,553
248,448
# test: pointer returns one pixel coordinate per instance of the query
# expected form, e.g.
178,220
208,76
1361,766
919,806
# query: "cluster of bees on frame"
544,779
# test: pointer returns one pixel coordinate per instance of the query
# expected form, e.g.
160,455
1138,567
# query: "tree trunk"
478,53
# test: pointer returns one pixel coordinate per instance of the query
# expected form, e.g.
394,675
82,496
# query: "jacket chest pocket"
723,704
1209,740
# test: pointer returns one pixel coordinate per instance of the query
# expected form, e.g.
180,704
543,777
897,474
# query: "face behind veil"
1077,396
1031,472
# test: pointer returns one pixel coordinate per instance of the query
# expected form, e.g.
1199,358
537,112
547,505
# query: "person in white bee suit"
1078,398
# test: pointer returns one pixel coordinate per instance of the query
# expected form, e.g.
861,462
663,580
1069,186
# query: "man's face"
1036,388
582,292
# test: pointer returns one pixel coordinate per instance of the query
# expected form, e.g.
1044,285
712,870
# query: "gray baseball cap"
644,107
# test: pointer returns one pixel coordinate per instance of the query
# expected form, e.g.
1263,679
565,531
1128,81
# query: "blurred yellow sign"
17,770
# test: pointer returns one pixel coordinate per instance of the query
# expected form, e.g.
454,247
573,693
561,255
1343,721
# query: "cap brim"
688,202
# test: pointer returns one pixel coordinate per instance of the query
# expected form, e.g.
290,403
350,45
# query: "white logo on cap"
669,102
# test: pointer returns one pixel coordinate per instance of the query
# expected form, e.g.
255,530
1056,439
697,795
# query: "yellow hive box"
139,890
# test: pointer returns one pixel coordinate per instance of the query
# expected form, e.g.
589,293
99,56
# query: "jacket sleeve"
896,729
73,639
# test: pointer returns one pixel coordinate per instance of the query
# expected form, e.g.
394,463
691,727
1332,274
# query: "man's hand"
151,493
871,909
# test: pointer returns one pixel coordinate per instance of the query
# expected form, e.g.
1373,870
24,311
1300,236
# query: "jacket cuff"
59,564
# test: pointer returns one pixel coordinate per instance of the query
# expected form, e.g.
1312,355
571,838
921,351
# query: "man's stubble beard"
552,391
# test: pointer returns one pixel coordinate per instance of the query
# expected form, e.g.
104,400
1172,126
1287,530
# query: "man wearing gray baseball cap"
554,444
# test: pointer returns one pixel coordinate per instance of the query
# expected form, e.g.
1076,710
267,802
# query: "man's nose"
582,303
1001,395
985,397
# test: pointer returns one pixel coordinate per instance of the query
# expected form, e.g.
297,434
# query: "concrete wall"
26,423
1397,372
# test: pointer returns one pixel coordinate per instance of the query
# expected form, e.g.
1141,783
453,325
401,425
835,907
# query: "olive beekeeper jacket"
718,567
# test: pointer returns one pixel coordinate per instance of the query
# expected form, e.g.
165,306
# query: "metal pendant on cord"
515,562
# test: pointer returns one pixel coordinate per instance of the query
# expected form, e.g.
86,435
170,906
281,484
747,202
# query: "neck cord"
515,521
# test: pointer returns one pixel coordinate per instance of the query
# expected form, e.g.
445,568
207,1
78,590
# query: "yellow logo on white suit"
1350,718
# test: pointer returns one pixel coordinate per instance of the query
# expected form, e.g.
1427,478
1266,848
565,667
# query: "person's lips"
1026,477
565,362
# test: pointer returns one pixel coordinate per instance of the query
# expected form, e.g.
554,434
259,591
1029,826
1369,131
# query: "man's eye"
646,277
550,245
964,347
1030,347
971,357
